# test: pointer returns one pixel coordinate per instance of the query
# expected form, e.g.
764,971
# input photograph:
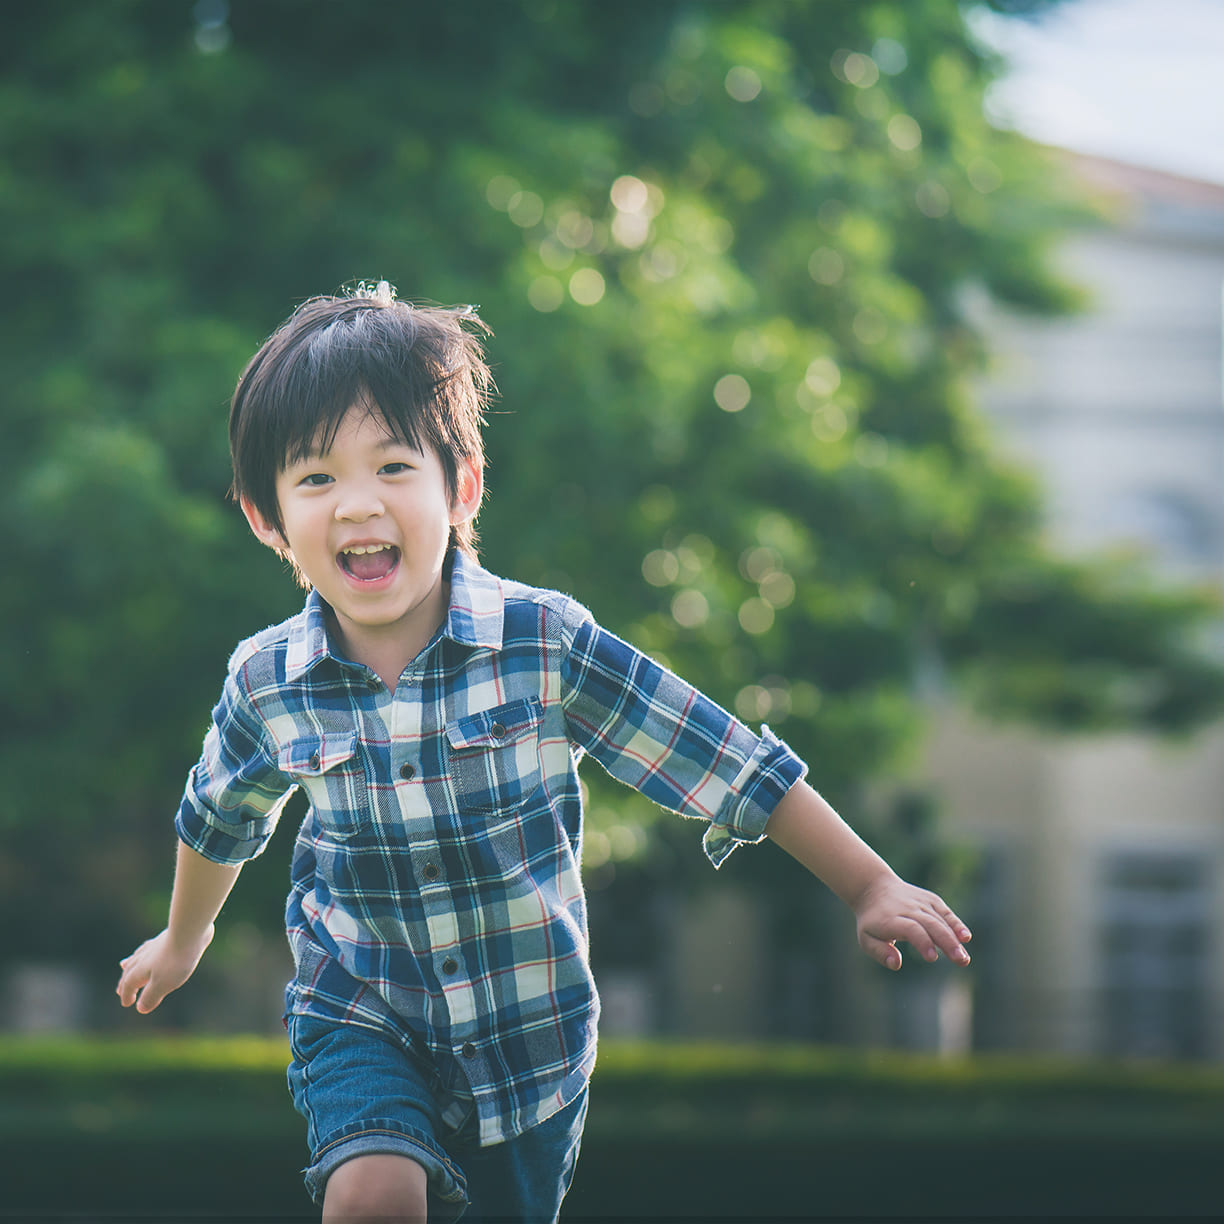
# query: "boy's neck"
388,650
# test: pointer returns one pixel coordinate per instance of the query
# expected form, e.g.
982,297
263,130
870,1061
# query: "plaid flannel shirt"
436,892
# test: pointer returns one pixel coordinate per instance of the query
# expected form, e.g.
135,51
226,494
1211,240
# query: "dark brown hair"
421,368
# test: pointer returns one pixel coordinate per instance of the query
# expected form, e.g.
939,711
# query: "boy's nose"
358,505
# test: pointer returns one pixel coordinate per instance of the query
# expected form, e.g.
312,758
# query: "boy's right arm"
166,961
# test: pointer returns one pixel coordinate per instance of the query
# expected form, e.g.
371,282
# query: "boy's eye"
395,468
316,479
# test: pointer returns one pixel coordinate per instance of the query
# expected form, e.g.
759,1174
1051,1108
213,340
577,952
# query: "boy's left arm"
886,908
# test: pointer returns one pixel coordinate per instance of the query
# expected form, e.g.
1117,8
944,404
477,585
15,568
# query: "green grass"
977,1136
167,1086
764,1092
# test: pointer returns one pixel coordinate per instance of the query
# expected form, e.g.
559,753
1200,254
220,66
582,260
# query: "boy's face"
368,524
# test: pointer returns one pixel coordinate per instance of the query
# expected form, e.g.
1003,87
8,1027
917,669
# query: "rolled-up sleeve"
235,792
658,734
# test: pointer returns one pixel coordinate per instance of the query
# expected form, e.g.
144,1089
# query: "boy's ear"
263,531
468,493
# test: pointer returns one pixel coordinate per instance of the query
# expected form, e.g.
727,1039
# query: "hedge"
696,1130
236,1085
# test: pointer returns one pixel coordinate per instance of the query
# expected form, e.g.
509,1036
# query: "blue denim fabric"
362,1094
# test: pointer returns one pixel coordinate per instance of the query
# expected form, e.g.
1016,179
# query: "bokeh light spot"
826,266
690,609
756,616
629,193
525,209
778,589
732,393
904,132
932,199
545,294
660,567
855,68
823,376
890,56
871,450
742,84
830,424
587,286
501,189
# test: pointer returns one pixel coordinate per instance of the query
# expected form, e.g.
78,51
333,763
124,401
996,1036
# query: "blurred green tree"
730,253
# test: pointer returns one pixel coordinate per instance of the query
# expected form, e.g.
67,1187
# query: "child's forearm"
166,961
809,830
200,890
886,908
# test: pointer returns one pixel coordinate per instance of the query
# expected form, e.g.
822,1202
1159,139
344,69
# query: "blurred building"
1101,919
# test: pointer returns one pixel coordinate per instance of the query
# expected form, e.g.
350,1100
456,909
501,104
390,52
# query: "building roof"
1144,181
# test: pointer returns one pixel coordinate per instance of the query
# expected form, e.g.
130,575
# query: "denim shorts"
361,1093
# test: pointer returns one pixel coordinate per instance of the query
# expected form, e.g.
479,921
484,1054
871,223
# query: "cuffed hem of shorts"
447,1185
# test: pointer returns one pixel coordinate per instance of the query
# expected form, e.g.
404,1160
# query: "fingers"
135,986
921,919
142,994
962,933
130,983
154,970
148,1001
930,936
884,951
932,927
951,934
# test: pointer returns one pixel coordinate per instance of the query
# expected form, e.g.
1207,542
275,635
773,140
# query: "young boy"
442,1017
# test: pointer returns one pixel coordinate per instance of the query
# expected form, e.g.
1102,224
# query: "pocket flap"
316,754
492,728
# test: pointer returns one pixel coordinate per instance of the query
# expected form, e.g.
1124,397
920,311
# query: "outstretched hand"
157,967
890,910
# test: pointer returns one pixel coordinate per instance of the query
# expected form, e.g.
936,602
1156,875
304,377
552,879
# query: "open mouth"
369,562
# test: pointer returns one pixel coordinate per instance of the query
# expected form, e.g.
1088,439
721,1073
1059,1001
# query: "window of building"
1156,914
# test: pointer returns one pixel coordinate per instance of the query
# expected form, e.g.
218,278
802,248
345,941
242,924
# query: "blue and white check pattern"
436,891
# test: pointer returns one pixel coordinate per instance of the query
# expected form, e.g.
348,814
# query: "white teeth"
363,550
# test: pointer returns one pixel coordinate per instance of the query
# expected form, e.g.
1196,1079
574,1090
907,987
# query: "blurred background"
833,372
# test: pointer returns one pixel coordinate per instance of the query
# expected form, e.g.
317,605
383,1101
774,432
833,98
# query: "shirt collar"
477,604
475,618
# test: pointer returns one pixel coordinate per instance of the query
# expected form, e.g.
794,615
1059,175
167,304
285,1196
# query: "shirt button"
468,1050
407,772
497,731
315,762
373,684
431,872
449,965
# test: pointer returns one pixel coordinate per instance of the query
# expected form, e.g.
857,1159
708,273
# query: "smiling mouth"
369,562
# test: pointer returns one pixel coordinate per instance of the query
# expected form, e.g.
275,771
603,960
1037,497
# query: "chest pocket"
494,757
327,768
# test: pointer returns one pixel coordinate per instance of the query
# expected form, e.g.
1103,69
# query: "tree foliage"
730,253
